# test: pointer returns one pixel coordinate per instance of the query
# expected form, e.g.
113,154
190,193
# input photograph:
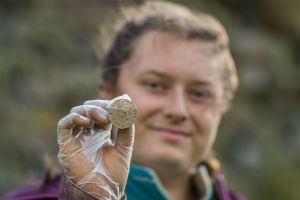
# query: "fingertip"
81,120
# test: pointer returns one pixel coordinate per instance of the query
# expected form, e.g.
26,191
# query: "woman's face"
177,88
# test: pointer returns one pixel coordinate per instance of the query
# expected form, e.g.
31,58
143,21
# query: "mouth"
172,134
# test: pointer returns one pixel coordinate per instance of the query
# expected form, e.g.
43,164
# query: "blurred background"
48,64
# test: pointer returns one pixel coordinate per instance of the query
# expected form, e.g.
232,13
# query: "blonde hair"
170,18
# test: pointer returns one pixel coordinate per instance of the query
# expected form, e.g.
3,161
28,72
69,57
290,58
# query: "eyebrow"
157,73
164,75
202,83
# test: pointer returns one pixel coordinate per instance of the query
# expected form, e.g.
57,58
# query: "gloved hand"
87,154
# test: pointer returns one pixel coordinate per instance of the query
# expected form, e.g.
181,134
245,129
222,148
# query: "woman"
176,68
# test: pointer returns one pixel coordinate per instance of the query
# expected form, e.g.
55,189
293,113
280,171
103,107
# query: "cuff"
70,191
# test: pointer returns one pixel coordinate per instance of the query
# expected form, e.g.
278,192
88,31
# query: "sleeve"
70,191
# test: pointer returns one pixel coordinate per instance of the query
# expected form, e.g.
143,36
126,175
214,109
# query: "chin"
169,159
155,151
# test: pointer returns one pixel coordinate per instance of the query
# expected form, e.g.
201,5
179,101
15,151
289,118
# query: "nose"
176,109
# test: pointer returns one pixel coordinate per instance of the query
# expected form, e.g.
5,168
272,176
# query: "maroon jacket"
62,188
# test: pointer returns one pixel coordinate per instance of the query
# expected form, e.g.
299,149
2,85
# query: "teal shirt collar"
143,183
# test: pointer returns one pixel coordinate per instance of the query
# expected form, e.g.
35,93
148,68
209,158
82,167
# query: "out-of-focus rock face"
48,59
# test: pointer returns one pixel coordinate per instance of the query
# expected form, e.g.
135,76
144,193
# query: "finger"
72,120
97,114
66,124
124,142
105,104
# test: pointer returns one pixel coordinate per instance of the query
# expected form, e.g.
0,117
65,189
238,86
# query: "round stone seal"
122,113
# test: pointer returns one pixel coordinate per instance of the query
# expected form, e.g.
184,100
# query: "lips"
172,133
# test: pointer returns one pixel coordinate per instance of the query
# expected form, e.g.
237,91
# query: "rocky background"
48,64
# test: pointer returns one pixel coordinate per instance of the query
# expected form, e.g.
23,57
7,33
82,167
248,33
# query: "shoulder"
38,189
222,192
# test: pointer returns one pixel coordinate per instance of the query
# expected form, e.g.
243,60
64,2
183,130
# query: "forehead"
158,40
173,54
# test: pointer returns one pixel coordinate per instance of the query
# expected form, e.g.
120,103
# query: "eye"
200,95
153,85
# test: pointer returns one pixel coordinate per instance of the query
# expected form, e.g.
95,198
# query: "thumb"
124,142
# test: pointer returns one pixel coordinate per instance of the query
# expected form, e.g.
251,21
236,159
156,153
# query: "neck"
177,184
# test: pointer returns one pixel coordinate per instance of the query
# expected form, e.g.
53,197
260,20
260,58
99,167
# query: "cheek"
206,117
145,106
206,123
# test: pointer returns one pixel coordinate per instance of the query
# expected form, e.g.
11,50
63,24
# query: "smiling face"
176,85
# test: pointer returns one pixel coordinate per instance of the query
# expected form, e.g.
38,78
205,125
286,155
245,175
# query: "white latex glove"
87,154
